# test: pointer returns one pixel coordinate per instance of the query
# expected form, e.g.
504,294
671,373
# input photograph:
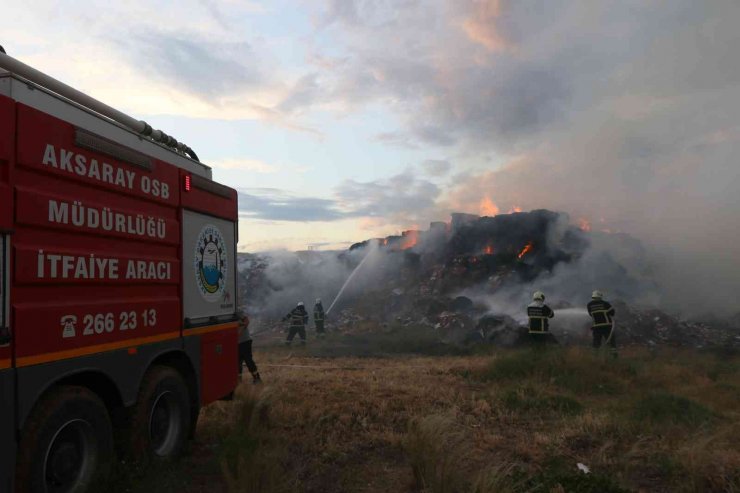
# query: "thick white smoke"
621,112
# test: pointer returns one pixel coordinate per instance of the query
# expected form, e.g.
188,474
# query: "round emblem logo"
211,262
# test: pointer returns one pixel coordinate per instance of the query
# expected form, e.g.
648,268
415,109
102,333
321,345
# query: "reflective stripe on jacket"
538,314
298,317
602,313
318,313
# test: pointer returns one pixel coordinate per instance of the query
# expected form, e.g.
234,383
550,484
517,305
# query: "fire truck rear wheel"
161,419
66,444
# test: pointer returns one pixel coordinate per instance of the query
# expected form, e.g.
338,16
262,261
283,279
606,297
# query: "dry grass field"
509,421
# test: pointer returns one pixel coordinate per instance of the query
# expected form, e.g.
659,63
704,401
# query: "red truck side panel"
7,151
218,362
198,199
118,217
96,246
47,145
7,155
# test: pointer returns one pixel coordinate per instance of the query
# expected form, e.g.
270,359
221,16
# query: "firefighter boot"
256,378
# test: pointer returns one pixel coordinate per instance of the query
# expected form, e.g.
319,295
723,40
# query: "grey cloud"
403,198
277,205
434,135
436,167
397,139
372,14
304,93
556,60
201,66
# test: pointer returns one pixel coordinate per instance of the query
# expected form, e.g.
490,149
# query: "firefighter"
298,317
539,314
318,317
602,313
245,348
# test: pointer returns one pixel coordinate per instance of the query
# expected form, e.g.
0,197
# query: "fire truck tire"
66,443
161,420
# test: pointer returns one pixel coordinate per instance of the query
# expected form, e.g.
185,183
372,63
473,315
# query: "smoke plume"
620,112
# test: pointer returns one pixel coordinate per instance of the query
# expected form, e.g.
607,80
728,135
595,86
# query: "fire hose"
609,339
611,333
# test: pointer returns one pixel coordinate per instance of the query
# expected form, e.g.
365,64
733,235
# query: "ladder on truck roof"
38,90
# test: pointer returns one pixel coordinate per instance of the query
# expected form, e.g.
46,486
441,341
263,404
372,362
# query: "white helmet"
597,294
538,296
300,303
318,301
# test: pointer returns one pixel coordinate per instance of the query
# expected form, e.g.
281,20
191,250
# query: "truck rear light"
187,183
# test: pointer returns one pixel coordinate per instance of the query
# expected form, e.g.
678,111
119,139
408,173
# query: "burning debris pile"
469,280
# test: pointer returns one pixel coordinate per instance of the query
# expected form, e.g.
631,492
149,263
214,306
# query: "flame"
525,250
584,225
514,209
410,239
489,250
487,207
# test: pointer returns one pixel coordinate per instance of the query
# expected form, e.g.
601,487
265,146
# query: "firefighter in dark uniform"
602,313
298,317
539,315
318,317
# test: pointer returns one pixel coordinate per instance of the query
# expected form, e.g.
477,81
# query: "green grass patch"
411,339
557,475
722,369
662,408
528,400
250,458
574,370
435,448
668,466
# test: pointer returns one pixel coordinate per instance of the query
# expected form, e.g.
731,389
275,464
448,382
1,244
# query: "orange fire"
489,250
487,207
584,225
516,208
525,250
410,239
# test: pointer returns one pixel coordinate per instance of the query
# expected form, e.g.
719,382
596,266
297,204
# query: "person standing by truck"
319,317
298,317
245,348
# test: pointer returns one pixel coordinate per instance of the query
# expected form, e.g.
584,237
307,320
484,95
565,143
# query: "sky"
342,120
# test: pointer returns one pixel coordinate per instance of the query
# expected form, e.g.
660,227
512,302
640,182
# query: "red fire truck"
117,287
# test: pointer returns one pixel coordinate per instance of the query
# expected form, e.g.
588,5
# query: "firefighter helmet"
300,303
597,294
318,301
538,296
